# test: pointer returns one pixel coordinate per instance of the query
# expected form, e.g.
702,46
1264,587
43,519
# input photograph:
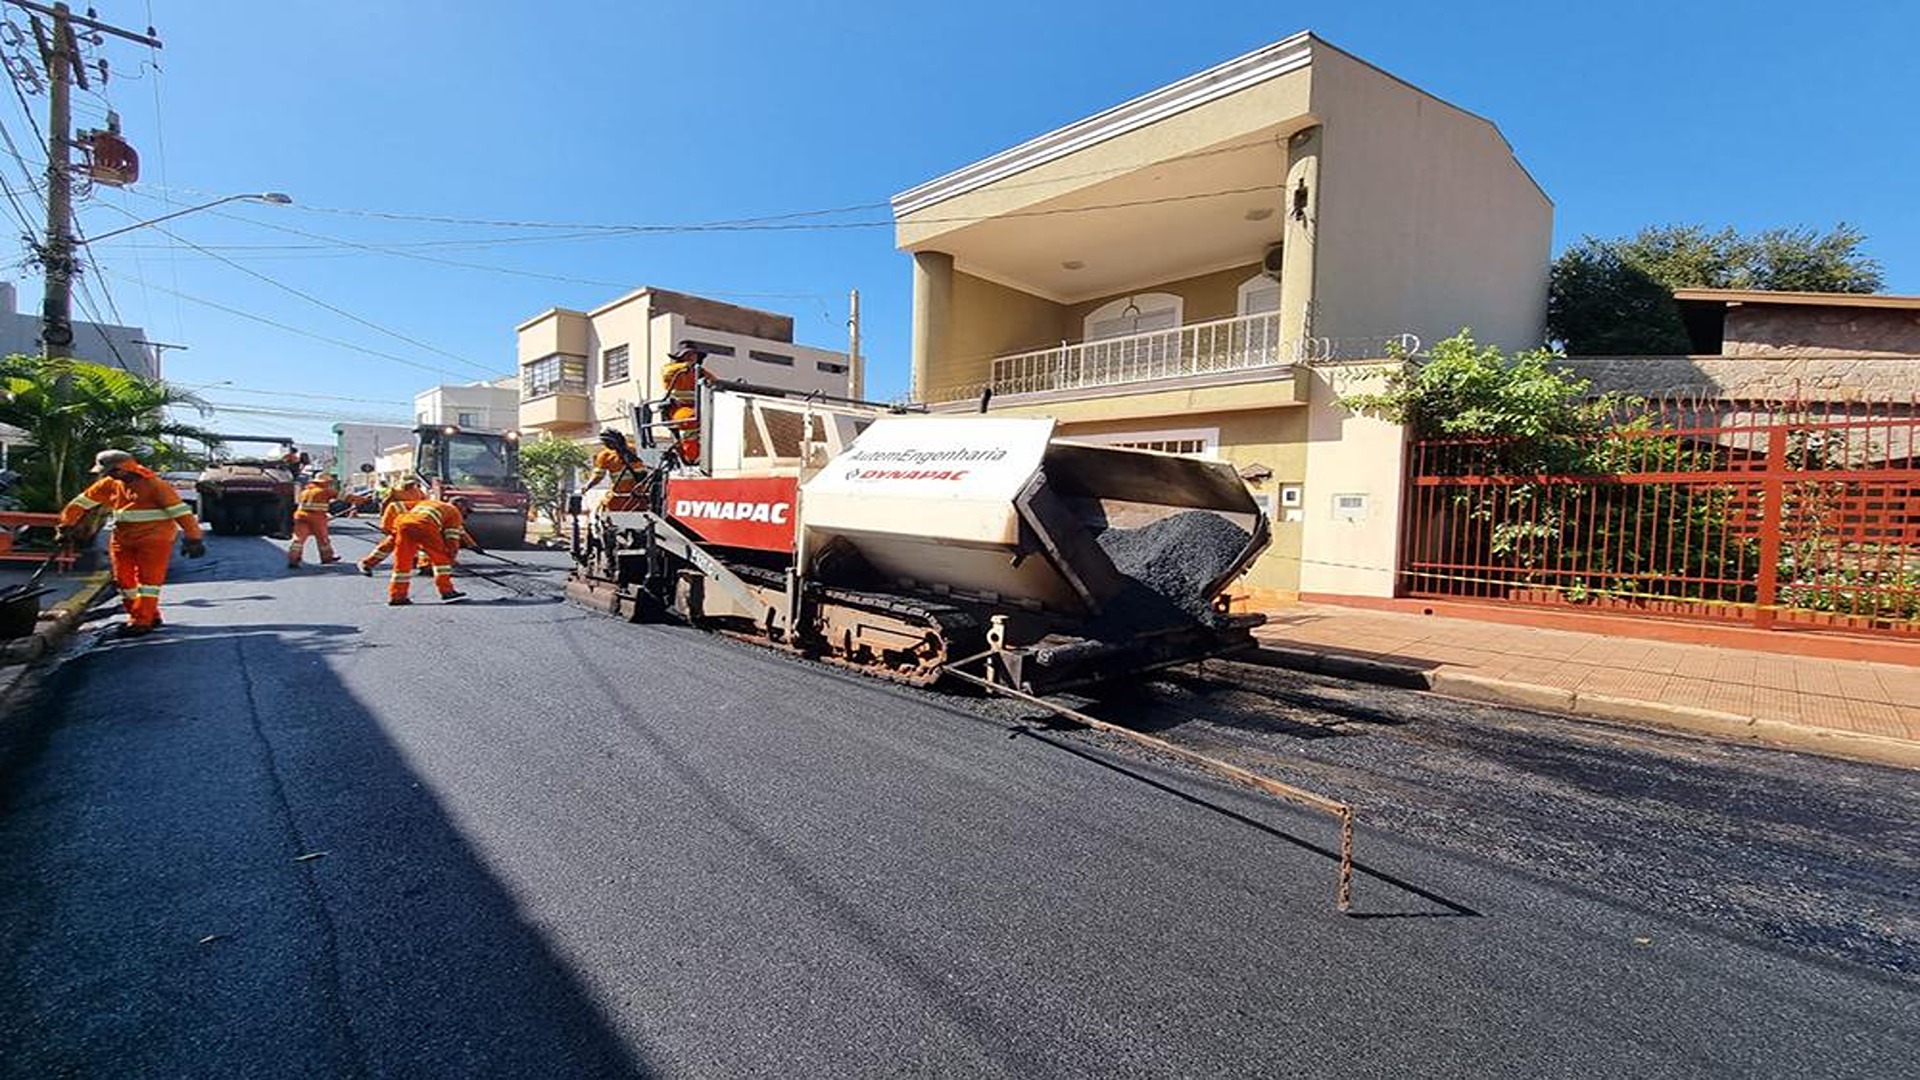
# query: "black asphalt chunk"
1169,565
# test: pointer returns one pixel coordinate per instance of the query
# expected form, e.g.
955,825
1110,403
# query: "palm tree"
69,409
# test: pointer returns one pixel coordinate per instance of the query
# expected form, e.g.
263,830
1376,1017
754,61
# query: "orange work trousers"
411,540
305,525
385,548
686,426
140,568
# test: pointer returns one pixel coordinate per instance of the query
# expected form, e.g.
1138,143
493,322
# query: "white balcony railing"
1247,343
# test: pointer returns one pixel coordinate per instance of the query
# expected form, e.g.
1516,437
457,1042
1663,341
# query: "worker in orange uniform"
147,512
429,526
310,515
397,500
610,461
681,380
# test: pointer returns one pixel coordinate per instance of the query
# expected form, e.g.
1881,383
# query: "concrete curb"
1732,727
55,624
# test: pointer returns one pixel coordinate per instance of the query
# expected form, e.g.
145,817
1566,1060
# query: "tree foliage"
1464,388
70,410
548,468
1615,297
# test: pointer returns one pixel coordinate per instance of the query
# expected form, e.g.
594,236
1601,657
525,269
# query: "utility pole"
60,52
855,369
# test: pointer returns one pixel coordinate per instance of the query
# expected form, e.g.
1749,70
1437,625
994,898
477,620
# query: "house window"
613,364
830,367
556,374
467,419
1193,442
711,349
781,359
1259,294
1141,313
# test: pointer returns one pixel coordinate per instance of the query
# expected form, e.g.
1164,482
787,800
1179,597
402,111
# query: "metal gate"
1777,515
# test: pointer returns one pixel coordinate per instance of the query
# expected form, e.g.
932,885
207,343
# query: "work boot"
325,559
293,566
398,601
455,597
365,570
134,629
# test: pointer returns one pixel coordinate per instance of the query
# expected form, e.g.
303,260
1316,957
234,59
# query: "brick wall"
1794,330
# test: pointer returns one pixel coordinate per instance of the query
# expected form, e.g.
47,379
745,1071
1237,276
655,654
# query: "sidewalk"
1847,708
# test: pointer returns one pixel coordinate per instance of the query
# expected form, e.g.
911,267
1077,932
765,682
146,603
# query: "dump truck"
242,495
901,544
483,467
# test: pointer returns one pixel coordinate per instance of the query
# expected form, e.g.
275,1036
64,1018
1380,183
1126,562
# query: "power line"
310,298
229,389
217,306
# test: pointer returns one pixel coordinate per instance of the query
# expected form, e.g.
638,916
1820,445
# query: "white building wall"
483,406
1350,538
1427,223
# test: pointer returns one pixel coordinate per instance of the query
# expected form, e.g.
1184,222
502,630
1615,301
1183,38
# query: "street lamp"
277,198
56,310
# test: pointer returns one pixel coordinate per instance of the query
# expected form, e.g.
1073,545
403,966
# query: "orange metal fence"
1780,515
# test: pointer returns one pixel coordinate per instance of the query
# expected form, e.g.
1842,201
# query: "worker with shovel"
147,513
436,528
310,518
396,502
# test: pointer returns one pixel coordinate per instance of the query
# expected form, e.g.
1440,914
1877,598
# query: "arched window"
1140,313
1259,294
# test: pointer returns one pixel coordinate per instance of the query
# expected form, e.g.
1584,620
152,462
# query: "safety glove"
193,549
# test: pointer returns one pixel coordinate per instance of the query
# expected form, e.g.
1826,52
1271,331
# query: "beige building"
1209,267
582,371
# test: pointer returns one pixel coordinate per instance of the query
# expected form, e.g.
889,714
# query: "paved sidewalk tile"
1842,696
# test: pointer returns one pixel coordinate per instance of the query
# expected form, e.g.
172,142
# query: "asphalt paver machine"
899,544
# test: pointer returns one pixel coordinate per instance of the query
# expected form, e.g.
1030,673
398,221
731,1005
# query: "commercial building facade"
1211,267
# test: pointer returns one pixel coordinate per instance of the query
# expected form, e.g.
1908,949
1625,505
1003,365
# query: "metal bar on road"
1343,889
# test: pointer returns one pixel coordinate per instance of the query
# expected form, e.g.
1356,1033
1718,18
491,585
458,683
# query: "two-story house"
582,371
1210,267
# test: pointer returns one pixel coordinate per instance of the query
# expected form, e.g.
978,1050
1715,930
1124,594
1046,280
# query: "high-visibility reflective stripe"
142,515
431,511
149,590
84,503
128,594
454,533
179,510
308,508
442,571
398,574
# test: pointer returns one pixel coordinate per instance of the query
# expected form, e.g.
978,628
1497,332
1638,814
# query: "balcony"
556,411
1248,345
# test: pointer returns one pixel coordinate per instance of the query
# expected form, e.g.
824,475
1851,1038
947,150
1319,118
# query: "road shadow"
220,864
1369,907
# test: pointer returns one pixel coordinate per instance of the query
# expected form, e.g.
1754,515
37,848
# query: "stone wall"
1795,330
1756,378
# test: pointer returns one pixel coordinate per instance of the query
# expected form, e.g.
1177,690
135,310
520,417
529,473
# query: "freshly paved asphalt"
300,832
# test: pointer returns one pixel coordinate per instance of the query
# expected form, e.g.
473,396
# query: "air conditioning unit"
1272,262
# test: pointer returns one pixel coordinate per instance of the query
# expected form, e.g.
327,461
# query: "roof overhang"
1798,299
1216,82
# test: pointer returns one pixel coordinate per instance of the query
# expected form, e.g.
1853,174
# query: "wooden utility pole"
60,52
855,369
56,308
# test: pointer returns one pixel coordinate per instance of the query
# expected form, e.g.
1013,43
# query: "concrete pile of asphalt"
1169,565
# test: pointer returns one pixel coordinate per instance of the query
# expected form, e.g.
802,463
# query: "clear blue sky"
1754,114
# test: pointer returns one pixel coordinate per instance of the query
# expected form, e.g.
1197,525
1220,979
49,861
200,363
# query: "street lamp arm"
274,197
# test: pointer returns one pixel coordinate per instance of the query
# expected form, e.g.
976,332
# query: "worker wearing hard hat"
395,502
310,514
147,513
613,459
681,380
429,526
